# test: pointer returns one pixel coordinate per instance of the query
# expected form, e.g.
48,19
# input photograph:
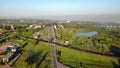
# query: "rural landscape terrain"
47,44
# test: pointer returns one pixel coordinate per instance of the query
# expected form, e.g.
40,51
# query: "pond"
89,34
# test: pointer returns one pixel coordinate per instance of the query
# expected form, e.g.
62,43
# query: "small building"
8,57
37,26
34,26
66,42
55,27
12,48
12,27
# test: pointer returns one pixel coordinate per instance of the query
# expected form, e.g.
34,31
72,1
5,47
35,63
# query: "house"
7,57
34,26
61,26
13,48
66,42
55,27
31,26
37,26
12,27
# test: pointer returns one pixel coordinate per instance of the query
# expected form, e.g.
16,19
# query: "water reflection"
89,34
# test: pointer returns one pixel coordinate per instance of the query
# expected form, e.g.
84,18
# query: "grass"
41,58
73,58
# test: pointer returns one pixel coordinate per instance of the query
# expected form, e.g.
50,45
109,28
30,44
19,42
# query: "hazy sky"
69,9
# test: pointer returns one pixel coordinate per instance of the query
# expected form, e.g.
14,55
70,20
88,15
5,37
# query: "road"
51,35
52,43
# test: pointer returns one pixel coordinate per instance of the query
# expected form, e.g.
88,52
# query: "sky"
88,10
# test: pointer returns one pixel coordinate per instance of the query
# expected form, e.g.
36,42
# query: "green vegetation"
41,50
41,58
99,43
105,42
77,59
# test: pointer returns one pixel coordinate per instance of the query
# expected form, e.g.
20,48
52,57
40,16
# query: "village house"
66,42
7,52
34,26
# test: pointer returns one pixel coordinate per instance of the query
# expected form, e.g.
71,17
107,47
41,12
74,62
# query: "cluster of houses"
108,26
35,26
58,26
7,52
63,21
5,42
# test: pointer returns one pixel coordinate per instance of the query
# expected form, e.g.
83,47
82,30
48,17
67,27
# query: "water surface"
88,34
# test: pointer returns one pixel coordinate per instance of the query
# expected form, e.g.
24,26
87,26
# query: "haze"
82,10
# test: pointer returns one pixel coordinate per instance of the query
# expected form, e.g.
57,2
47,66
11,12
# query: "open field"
41,58
77,59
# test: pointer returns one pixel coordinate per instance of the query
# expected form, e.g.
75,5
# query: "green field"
41,58
101,42
73,58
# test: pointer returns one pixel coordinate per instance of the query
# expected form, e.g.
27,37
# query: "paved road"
51,35
52,43
54,60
